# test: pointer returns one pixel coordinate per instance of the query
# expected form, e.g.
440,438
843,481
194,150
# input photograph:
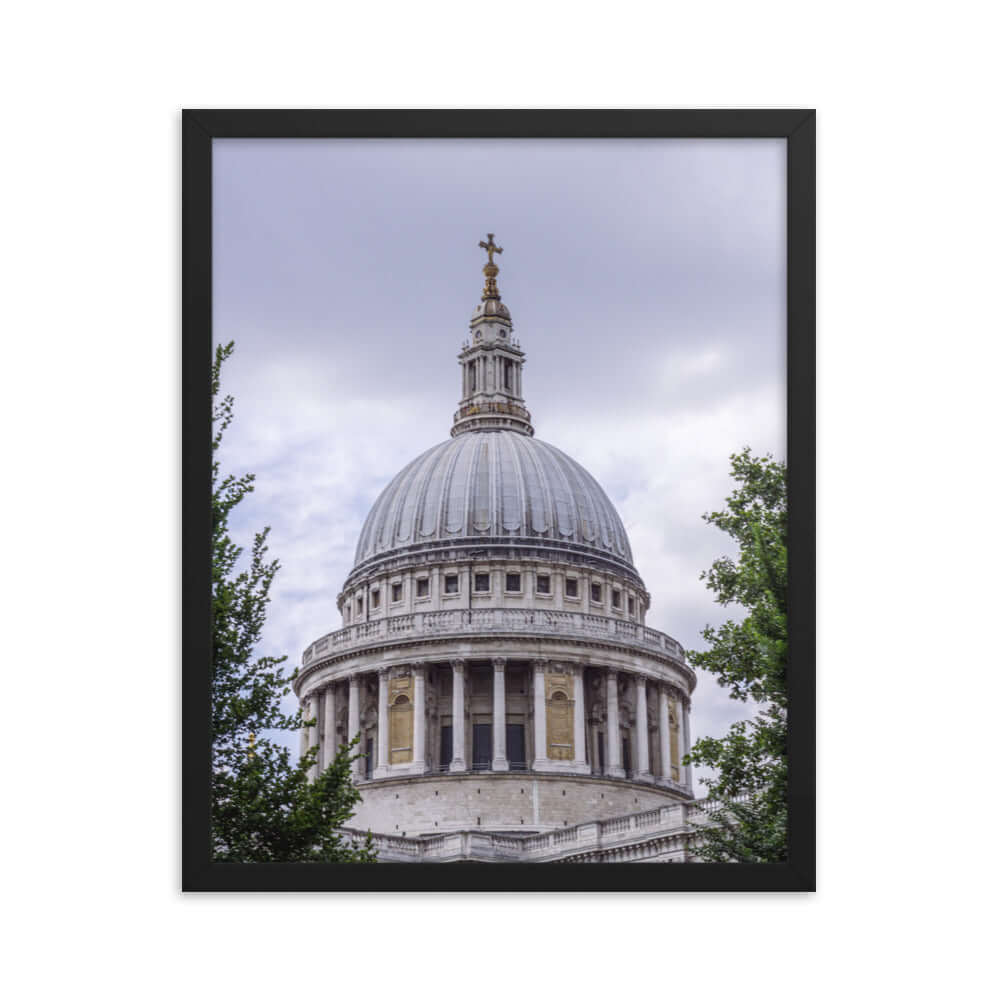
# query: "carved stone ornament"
499,663
458,665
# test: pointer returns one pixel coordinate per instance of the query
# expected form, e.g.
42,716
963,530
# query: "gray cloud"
646,281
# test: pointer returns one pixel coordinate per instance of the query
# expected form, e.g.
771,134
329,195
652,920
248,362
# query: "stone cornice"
510,643
449,623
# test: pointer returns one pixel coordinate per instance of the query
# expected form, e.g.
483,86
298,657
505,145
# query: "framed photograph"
498,500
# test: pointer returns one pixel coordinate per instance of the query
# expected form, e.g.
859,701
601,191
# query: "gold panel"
559,716
400,720
675,743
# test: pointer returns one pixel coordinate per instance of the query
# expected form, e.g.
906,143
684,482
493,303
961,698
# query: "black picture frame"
199,129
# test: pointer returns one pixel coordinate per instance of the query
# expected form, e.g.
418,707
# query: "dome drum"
470,720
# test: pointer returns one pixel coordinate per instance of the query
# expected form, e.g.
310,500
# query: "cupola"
491,361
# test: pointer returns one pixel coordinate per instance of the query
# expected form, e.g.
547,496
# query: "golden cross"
490,247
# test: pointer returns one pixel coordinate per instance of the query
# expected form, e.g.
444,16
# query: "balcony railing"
479,621
586,838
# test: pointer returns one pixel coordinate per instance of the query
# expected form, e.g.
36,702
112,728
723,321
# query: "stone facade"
493,652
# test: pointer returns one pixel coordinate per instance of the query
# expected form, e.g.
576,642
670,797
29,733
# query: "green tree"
264,808
748,795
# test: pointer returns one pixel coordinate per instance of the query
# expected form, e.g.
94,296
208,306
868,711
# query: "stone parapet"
663,834
460,623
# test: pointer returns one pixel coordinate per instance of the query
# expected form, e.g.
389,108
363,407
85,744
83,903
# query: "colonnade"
559,747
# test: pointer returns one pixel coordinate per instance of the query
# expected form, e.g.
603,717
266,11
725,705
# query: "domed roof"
490,307
493,485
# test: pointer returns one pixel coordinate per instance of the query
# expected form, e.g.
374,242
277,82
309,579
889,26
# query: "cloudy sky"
646,283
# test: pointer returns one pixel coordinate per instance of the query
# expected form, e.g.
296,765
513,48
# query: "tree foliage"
748,795
264,807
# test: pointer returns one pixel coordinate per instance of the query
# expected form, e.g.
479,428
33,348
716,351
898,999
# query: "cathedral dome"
496,486
494,662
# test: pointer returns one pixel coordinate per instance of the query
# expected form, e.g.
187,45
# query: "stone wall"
498,802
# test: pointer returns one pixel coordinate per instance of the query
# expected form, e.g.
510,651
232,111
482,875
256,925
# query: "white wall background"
907,357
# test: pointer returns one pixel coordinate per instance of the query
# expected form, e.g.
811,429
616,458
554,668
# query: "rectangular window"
482,746
361,605
482,583
571,587
376,598
595,593
513,583
616,598
451,584
446,748
423,587
631,605
516,747
397,593
542,583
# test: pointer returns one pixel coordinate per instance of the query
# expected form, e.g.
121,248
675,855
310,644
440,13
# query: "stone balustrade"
586,841
491,621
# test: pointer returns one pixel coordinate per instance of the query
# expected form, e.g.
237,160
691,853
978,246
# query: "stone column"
665,735
419,720
595,752
686,745
457,715
382,760
642,729
541,746
329,727
314,732
304,731
500,714
579,722
354,722
614,754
